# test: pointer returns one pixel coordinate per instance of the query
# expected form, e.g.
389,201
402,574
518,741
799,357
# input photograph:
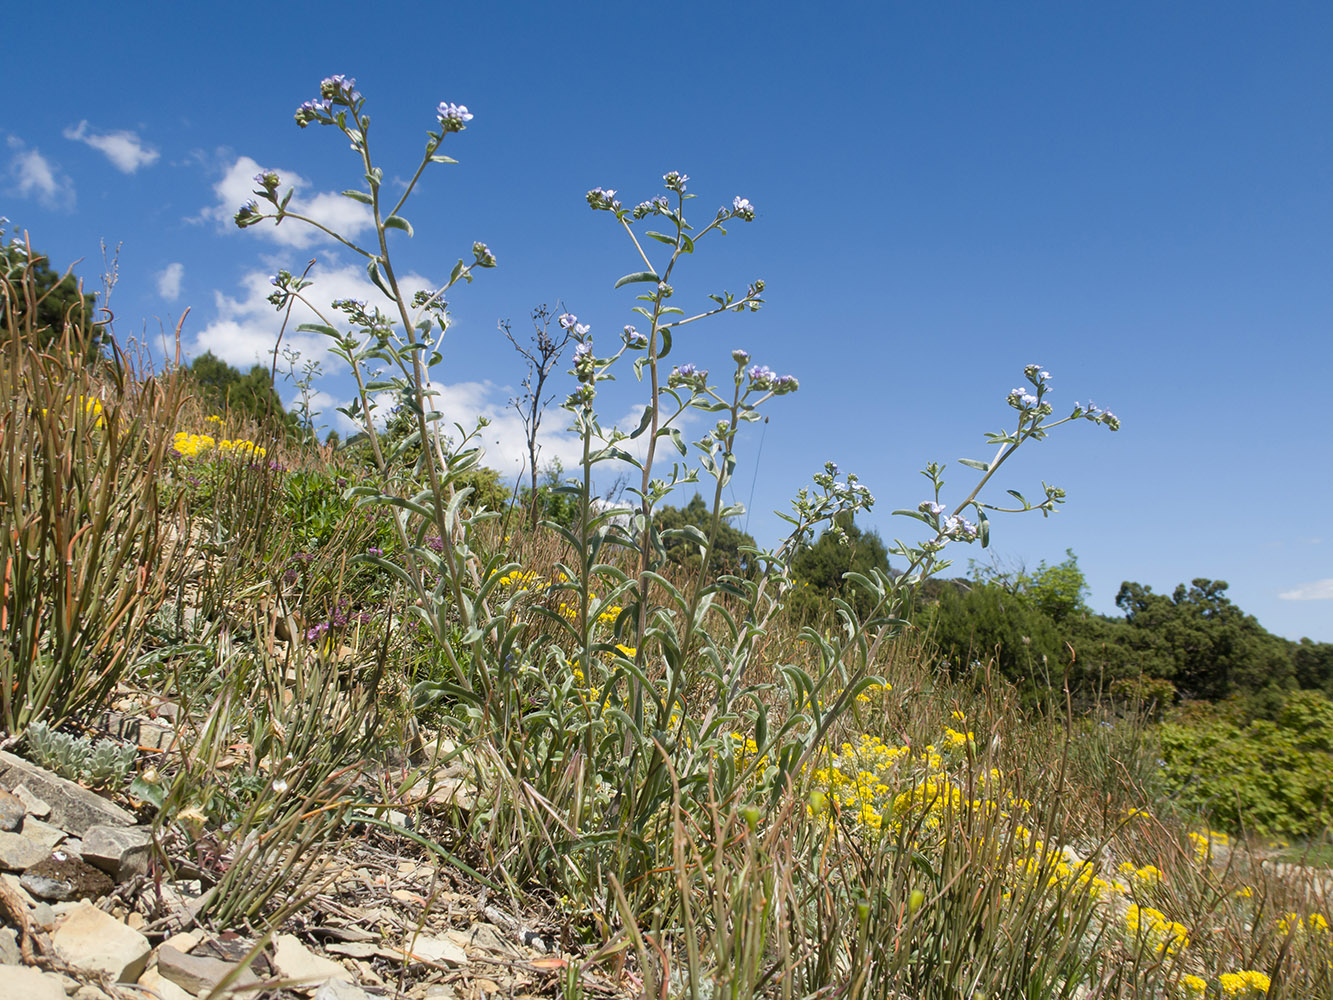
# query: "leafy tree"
1060,590
984,624
821,567
1202,642
250,395
1312,663
40,302
726,556
548,503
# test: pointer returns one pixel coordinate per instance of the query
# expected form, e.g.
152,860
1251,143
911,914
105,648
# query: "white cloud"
123,148
247,326
33,175
504,438
237,186
1319,590
169,281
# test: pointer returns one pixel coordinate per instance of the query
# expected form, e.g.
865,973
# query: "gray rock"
97,942
17,852
9,947
42,833
73,808
120,851
25,983
197,974
165,989
294,961
35,806
12,811
338,989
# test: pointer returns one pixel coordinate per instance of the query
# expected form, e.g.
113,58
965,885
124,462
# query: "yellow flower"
1193,987
1239,984
1164,936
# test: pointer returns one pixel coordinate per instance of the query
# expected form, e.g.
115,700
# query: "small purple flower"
740,356
959,528
675,180
248,214
453,117
930,507
742,209
600,199
374,551
483,255
634,339
567,320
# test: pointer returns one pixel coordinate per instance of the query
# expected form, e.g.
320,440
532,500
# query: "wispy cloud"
343,215
1319,590
126,151
169,281
32,175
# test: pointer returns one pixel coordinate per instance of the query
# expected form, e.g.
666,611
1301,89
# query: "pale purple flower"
601,199
453,117
742,208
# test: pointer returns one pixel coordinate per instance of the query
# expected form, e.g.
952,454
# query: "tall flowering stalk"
616,698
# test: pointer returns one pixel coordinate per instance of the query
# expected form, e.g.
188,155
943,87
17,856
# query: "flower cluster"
634,339
675,181
453,117
601,200
1151,927
190,445
654,206
334,91
482,253
958,528
1242,984
742,209
568,321
1097,415
765,379
688,376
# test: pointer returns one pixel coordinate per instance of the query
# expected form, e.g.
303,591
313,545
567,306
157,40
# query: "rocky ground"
85,912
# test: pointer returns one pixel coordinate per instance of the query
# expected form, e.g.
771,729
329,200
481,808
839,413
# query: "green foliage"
104,764
43,303
728,553
1060,591
975,625
551,502
1312,665
819,570
1264,776
247,396
1201,642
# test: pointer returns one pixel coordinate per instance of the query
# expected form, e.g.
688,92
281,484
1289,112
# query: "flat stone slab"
12,811
197,974
120,851
94,941
22,982
293,960
73,808
17,852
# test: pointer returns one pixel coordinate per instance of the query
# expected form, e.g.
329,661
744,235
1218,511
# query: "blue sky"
1137,196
